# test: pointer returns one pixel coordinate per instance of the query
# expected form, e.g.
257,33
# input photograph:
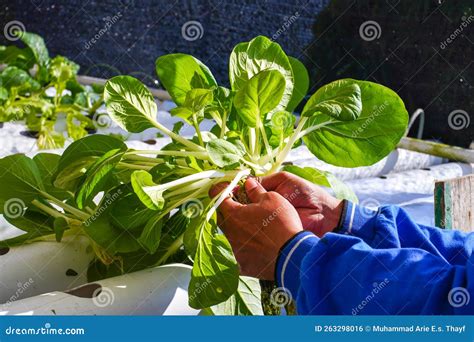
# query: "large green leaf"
365,140
259,95
146,190
223,153
12,76
129,103
115,240
33,222
37,46
340,99
79,156
215,274
250,58
13,56
100,228
97,175
245,302
180,73
151,235
197,99
20,181
128,212
22,239
47,165
324,178
300,74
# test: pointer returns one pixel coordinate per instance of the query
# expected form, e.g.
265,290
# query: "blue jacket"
379,262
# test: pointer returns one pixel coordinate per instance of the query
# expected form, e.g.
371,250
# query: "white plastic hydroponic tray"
34,278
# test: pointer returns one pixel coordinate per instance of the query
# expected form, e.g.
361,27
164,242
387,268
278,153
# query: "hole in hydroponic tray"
426,169
383,177
71,273
91,130
4,250
30,134
86,291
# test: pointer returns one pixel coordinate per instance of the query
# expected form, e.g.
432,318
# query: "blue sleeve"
382,263
392,227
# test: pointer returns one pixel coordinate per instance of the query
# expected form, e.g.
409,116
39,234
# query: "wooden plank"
454,203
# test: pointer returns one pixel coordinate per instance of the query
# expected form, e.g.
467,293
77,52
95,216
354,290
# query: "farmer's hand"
259,229
319,212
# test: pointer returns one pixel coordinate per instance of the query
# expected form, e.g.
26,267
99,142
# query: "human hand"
257,231
318,210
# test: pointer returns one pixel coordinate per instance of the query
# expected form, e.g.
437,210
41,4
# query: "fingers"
271,182
215,190
228,205
254,190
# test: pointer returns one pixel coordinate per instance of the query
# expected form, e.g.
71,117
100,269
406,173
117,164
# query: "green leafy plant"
146,208
24,92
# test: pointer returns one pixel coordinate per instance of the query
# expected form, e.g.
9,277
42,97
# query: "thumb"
254,190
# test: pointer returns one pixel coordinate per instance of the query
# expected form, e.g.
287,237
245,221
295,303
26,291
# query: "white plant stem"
268,148
76,212
252,141
196,185
178,138
187,179
51,211
198,155
313,128
226,192
284,153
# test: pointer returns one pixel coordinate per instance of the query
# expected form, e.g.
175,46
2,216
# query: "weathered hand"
319,212
259,229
